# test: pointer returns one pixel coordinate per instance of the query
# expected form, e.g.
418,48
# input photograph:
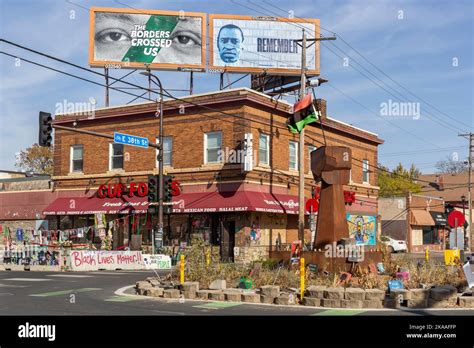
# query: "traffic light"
45,129
167,188
153,188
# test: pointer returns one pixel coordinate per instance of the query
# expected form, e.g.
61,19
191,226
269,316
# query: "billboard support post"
106,73
191,83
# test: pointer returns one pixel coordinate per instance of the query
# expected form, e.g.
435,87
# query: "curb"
122,292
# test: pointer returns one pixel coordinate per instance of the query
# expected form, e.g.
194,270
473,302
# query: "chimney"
441,183
321,107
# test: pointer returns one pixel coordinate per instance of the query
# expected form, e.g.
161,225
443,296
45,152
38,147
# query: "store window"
293,150
77,161
430,235
264,149
365,171
116,156
167,151
311,148
212,147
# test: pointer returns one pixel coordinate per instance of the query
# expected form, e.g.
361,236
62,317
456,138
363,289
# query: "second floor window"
77,161
293,150
116,156
365,171
264,149
212,147
167,151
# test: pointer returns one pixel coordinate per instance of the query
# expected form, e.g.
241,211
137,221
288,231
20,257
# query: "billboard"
261,44
140,38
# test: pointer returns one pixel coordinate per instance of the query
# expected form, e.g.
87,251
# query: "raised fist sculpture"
331,165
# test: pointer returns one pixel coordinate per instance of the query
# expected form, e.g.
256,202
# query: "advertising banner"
129,38
258,44
363,228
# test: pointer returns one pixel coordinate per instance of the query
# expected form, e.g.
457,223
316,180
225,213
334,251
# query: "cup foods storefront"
242,221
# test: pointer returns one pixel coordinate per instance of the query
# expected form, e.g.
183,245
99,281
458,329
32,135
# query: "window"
311,148
167,151
430,235
116,156
264,149
212,147
77,161
293,155
365,171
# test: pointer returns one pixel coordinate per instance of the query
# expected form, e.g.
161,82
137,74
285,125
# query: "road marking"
121,299
218,305
339,312
70,275
12,286
107,273
64,292
29,279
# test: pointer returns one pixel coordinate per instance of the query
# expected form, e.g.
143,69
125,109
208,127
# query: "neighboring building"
230,207
419,220
452,188
22,201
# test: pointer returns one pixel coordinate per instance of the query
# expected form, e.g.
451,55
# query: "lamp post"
160,156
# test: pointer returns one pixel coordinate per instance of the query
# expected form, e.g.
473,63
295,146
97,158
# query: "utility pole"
301,159
469,184
106,73
301,147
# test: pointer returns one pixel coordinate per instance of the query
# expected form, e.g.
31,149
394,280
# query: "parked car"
394,245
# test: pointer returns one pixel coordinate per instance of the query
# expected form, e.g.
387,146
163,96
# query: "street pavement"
111,293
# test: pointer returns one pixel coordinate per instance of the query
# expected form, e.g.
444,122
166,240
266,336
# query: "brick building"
417,219
252,210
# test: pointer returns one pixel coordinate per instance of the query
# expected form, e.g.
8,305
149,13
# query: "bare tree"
449,166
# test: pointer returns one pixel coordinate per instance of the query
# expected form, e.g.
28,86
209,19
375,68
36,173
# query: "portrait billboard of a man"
229,43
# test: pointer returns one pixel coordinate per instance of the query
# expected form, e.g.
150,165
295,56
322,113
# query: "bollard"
208,257
301,278
181,269
427,254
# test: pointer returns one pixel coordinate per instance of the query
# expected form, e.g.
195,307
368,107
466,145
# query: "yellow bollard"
302,278
427,254
208,257
181,268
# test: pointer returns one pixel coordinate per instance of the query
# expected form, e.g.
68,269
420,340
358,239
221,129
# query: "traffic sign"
127,139
456,215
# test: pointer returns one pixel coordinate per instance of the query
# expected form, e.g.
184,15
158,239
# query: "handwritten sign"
157,261
84,260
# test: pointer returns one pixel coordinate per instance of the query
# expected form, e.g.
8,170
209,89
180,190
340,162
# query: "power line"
378,69
168,94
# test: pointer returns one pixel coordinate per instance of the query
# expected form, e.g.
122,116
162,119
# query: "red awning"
203,202
95,205
235,202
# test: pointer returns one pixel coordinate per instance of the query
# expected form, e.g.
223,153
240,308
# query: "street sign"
127,139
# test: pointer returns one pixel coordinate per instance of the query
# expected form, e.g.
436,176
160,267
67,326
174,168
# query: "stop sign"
312,205
456,215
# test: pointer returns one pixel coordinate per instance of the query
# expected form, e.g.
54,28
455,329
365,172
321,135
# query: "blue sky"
426,46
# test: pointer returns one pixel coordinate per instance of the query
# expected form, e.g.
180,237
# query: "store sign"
135,189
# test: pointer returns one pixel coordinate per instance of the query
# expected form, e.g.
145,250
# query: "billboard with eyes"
262,44
141,38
